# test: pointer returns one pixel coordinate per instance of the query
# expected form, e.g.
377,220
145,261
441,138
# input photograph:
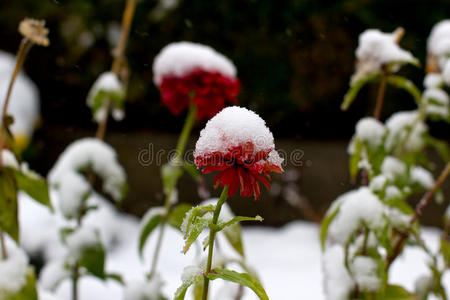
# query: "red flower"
240,166
211,90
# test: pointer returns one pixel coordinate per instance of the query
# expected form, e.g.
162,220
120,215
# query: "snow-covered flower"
438,46
238,143
88,154
371,131
376,50
183,70
107,87
399,125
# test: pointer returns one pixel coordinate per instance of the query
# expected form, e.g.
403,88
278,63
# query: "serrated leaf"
355,88
34,186
177,215
151,223
396,292
329,217
407,85
196,229
8,203
28,292
193,214
240,278
93,260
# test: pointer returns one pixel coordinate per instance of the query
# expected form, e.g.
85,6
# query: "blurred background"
294,60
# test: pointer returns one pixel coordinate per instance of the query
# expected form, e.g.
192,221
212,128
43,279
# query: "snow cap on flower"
438,46
377,49
238,143
371,131
186,71
13,270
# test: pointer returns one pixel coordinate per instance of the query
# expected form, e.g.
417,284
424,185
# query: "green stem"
212,236
3,245
76,276
177,162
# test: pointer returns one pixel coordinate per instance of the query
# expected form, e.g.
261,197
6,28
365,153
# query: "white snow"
357,206
53,273
138,289
235,126
392,167
80,156
24,104
398,125
73,190
392,192
422,177
13,270
9,159
337,280
181,58
376,49
439,42
152,212
370,131
80,240
364,269
436,94
433,80
110,83
378,183
446,73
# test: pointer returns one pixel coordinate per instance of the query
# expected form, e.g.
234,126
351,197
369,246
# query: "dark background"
294,60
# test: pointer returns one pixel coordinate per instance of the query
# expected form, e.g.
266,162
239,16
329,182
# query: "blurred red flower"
210,92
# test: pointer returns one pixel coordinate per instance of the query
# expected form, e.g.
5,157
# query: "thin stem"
380,96
3,245
177,161
76,276
401,239
212,236
119,59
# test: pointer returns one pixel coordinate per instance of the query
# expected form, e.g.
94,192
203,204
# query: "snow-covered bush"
366,229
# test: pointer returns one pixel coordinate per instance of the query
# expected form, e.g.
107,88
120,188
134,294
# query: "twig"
119,58
401,239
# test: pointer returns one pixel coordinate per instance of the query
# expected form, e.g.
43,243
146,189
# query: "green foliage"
233,235
195,230
35,186
395,292
93,260
177,215
356,87
407,85
181,291
98,101
28,291
151,223
329,217
240,278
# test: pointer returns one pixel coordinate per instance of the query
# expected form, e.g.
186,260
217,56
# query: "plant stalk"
177,161
76,276
119,59
380,96
212,236
401,240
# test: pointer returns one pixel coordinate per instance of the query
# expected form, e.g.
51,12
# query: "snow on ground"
287,259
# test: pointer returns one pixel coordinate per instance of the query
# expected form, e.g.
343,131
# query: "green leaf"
115,277
355,88
233,234
445,250
196,229
193,214
28,291
355,157
237,219
197,292
240,278
407,85
151,223
36,187
8,203
329,217
97,101
93,260
177,215
396,292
